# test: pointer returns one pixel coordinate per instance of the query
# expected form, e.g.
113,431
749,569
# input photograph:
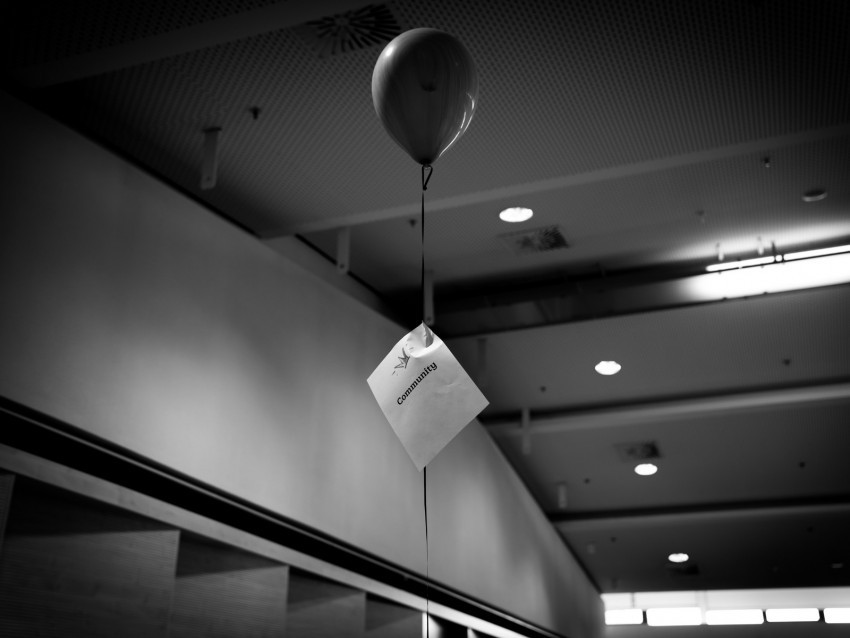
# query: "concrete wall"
134,313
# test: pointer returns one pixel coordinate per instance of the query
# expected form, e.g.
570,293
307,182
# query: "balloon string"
426,177
427,576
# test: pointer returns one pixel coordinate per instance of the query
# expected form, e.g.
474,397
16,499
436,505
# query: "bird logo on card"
403,360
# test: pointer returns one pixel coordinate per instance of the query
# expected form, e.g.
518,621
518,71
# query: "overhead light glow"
673,616
743,263
608,367
624,617
734,617
646,469
818,252
836,615
790,274
807,614
516,214
678,557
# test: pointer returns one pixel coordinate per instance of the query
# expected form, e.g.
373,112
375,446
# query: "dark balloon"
425,88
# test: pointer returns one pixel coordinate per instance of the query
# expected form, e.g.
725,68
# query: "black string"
427,575
426,177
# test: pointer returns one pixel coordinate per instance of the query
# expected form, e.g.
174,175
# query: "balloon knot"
427,169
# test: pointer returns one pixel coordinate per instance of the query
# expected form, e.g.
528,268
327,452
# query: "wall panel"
388,620
72,567
224,592
322,609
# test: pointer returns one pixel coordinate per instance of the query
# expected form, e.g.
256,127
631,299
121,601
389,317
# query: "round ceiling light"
678,557
646,469
517,214
608,367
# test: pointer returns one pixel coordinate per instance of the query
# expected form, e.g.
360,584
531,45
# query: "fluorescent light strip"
820,252
807,614
836,615
763,261
734,617
771,278
673,616
743,263
624,617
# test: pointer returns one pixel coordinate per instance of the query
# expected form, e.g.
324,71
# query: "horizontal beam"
280,15
577,521
565,181
674,410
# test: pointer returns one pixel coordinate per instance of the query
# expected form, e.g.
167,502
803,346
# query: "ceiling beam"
577,521
565,181
676,410
280,15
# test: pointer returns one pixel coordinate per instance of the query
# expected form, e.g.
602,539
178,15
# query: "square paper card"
426,395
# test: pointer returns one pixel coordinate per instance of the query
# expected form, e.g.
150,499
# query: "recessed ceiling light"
646,469
516,214
814,195
608,367
678,557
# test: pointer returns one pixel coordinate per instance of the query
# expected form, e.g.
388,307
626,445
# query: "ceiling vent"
638,452
536,240
350,31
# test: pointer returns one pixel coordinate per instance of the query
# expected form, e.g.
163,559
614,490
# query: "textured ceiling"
652,134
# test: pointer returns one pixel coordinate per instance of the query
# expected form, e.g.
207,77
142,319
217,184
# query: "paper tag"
426,395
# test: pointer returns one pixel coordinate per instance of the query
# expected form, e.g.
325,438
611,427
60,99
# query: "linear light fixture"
734,617
818,252
673,616
780,276
624,617
771,259
743,263
836,615
804,614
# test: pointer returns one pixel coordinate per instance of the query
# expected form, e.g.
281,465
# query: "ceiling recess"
639,451
535,240
350,31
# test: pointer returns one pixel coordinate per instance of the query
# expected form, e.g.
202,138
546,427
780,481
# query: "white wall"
132,312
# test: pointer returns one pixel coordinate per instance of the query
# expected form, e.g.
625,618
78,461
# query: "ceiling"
654,135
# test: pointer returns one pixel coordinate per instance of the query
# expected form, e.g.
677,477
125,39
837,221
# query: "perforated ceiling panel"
39,31
566,89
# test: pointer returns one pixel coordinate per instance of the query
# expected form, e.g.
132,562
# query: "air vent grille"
638,451
536,240
350,31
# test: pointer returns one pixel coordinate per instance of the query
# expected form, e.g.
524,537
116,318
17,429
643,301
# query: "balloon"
425,88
